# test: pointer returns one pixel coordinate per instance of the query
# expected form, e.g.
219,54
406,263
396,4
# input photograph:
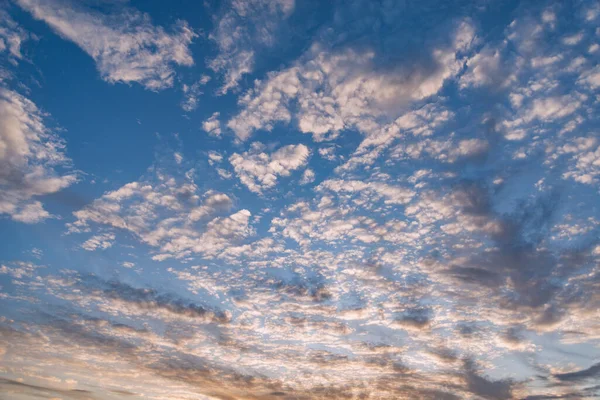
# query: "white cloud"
212,125
307,177
220,233
246,26
31,213
534,106
586,157
421,122
12,36
445,151
391,194
216,201
590,78
333,216
259,170
214,157
125,45
192,93
223,173
30,157
20,269
482,68
538,62
548,16
102,241
572,40
345,89
178,158
328,153
551,108
168,215
266,104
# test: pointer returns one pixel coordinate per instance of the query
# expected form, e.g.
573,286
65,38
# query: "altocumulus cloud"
31,159
373,200
125,44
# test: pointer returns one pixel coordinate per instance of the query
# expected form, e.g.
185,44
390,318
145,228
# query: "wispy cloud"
32,159
243,29
124,43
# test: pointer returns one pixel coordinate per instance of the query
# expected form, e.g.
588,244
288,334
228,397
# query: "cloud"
422,122
443,151
328,153
168,215
307,177
416,318
20,269
12,36
488,68
15,386
124,44
212,125
243,29
585,164
548,109
391,194
31,159
487,388
259,170
581,375
453,230
331,90
590,78
334,221
214,157
102,241
122,298
192,93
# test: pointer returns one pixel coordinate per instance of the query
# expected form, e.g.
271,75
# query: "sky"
299,199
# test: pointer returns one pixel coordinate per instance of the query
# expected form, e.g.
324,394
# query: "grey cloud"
419,318
581,375
517,256
149,300
488,389
16,387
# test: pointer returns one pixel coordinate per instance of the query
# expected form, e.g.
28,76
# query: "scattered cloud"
32,159
426,224
307,177
329,91
240,31
258,170
12,36
125,45
170,216
192,93
212,125
102,242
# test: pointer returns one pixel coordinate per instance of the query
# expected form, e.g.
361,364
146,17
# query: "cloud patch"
125,45
259,170
32,159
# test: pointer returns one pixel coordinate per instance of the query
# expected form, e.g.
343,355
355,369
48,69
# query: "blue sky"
285,199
